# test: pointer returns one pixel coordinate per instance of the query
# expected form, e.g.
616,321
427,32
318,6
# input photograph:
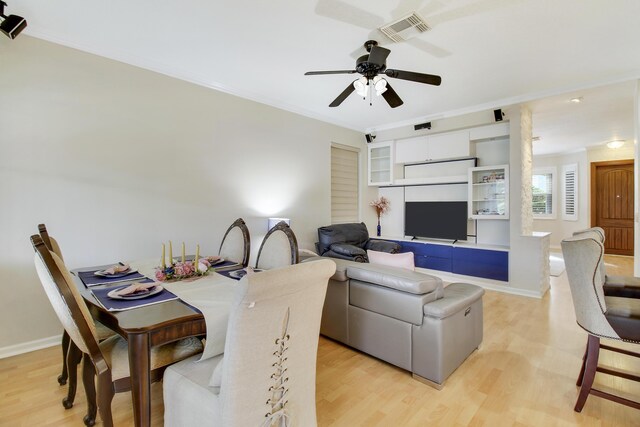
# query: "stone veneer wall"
526,158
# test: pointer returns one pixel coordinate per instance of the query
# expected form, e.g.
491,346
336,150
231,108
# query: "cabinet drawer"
433,263
440,251
481,263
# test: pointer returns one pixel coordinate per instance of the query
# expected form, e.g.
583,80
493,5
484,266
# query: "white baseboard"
492,285
26,347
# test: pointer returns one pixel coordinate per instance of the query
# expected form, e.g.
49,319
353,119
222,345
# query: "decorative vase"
378,229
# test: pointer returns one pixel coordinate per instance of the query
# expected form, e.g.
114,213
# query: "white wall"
560,228
115,160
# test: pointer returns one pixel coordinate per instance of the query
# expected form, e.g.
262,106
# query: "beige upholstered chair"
236,243
71,355
279,248
269,370
614,286
109,359
599,315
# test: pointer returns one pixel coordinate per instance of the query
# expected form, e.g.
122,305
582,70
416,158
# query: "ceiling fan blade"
429,79
319,73
345,93
378,55
392,97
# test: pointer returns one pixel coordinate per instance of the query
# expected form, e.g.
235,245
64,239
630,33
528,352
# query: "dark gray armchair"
350,241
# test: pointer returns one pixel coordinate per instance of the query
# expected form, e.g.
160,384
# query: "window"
543,193
570,192
344,184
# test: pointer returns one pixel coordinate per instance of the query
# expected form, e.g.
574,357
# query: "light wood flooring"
523,375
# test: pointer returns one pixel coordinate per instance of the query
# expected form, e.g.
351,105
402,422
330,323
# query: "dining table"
148,326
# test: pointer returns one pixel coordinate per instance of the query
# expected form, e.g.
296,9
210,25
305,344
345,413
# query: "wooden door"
612,204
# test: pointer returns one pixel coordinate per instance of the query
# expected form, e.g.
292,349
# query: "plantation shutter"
344,185
570,192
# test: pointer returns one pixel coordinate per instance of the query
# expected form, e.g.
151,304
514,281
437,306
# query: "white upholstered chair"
71,355
601,316
108,359
236,243
279,248
269,369
614,286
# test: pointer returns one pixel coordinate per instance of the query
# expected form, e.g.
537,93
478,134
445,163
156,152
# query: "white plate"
103,273
239,274
152,291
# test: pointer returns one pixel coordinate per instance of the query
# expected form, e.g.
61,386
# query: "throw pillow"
402,260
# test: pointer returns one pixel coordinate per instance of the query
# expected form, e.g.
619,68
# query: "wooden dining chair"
71,355
108,359
236,243
601,316
279,248
266,375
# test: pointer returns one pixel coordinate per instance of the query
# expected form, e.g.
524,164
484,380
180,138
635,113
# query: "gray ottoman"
451,330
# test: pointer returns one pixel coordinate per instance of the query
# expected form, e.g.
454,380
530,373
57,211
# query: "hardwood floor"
523,375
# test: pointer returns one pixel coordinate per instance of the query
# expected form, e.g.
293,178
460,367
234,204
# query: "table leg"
139,365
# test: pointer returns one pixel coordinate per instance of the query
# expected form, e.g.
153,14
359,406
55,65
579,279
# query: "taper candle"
197,256
170,253
164,265
183,252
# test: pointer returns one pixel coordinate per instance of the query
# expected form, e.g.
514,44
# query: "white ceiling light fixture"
362,86
380,85
615,144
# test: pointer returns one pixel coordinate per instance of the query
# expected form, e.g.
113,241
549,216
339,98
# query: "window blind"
344,185
542,194
570,192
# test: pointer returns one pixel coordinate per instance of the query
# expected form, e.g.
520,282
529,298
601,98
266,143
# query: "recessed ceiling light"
615,144
577,100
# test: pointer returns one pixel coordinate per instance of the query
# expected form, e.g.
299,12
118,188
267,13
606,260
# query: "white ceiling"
490,53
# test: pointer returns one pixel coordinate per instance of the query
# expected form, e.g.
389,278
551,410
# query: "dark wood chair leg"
88,379
105,396
584,361
591,365
74,356
62,378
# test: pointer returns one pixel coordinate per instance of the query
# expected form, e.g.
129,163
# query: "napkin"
117,269
135,288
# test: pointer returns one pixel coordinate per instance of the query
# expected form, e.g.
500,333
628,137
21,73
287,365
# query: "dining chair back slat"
236,243
278,249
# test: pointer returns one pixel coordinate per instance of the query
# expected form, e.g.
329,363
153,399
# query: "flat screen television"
436,220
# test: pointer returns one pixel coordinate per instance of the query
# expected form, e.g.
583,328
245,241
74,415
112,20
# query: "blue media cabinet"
469,261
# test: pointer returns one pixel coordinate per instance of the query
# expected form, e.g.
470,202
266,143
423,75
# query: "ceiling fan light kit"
370,66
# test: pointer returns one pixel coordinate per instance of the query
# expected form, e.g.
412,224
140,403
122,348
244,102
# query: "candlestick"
164,265
183,252
170,253
197,256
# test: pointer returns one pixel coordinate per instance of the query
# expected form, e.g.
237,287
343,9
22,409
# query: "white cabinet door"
449,145
497,130
412,150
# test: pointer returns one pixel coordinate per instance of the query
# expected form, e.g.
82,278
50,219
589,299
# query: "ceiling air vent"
405,28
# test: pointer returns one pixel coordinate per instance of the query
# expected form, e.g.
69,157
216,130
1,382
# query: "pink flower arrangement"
381,205
182,270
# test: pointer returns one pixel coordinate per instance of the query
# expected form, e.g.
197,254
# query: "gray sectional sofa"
403,317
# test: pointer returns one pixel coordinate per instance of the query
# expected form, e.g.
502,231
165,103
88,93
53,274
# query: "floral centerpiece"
381,205
180,270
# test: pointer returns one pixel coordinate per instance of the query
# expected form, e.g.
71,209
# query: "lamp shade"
274,221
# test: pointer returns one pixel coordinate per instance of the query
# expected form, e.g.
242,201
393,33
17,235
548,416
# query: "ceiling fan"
371,66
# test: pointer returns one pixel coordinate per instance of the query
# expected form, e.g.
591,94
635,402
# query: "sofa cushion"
354,234
395,278
403,260
341,267
390,302
457,296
